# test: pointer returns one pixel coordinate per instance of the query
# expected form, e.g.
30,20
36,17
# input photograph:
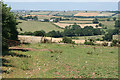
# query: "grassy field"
36,25
62,61
88,37
108,24
40,13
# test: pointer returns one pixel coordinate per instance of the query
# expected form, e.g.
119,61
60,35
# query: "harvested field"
34,39
86,14
63,25
38,15
94,14
72,22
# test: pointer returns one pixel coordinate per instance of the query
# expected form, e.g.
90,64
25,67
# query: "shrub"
46,41
68,40
105,44
100,24
26,33
108,19
95,21
89,43
114,41
39,33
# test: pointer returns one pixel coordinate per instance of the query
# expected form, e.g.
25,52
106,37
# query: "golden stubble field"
63,25
35,39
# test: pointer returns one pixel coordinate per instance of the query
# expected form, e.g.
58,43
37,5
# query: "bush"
39,33
54,33
89,43
26,33
46,41
68,40
105,44
100,24
115,42
95,21
108,19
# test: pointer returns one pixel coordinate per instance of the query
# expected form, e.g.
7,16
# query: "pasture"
108,24
40,13
61,61
36,26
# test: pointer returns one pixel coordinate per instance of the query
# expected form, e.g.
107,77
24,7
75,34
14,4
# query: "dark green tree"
117,24
35,18
39,33
95,21
9,29
108,19
114,18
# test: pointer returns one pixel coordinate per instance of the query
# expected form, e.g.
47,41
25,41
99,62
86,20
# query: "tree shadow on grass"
7,63
14,54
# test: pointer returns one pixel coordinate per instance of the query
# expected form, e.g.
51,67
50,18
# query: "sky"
61,0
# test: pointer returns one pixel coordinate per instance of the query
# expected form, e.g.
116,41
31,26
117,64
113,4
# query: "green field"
108,24
40,13
88,37
62,61
36,26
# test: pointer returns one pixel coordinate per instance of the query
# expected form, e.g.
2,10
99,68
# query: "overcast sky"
61,0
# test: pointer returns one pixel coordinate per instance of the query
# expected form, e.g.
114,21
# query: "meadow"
36,26
61,61
108,24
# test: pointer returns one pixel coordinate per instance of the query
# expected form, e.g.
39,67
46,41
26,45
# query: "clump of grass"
111,52
55,51
89,52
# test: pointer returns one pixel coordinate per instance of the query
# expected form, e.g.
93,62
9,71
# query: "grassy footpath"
36,26
63,60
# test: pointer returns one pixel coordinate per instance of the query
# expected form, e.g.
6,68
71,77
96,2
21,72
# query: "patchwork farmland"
46,49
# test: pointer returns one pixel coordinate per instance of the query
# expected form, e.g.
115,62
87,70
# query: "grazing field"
60,61
40,13
108,24
63,25
36,25
88,37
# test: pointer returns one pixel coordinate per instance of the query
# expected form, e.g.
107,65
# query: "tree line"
69,31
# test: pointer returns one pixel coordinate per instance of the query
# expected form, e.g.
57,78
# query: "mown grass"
36,26
64,61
